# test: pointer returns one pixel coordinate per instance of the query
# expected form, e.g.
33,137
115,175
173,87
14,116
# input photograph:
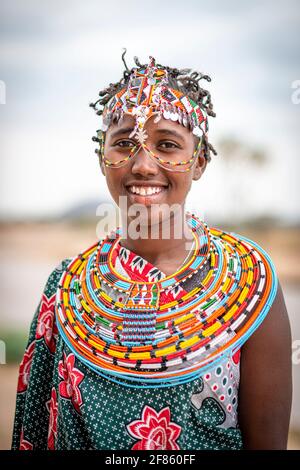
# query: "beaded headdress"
146,90
148,93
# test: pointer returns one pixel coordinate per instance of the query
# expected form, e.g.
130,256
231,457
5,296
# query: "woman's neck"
165,245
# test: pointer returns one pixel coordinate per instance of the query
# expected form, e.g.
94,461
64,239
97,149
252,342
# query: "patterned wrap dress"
62,404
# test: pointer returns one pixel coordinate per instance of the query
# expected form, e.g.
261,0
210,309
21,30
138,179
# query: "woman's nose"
143,163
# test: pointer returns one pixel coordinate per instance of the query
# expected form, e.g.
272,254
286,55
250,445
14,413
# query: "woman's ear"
102,166
101,140
200,165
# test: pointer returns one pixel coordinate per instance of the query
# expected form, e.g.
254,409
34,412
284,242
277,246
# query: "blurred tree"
233,150
240,162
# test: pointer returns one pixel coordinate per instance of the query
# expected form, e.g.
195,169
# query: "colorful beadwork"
168,164
138,341
146,94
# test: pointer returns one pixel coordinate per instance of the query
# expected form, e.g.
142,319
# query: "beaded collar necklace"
139,342
105,270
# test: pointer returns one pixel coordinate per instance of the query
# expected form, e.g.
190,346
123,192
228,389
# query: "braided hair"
184,80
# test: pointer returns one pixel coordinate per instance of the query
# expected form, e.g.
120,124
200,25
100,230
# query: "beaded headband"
148,93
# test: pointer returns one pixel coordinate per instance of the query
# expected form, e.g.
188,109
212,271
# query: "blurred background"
55,56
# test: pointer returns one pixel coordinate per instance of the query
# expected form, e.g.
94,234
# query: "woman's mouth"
146,194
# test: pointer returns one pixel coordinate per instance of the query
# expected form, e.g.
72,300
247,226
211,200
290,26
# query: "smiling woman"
171,337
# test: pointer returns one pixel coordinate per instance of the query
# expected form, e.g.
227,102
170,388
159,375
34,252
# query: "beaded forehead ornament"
147,93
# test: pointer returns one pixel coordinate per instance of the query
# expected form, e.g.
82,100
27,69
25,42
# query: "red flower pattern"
24,445
236,357
51,406
68,388
155,430
46,326
25,367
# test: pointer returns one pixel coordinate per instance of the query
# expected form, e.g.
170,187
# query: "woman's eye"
125,143
168,145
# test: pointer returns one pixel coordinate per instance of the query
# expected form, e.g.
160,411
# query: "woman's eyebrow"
121,131
128,130
170,132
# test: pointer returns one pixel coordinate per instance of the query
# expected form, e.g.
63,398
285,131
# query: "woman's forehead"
162,126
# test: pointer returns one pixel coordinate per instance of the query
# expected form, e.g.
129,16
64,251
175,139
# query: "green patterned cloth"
62,404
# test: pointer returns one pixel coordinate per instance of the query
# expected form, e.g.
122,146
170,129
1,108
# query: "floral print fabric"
62,404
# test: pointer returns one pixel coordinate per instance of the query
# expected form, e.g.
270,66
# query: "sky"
55,56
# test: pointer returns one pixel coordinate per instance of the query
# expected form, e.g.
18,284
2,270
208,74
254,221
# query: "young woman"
167,334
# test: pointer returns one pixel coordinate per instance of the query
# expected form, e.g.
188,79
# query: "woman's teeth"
145,190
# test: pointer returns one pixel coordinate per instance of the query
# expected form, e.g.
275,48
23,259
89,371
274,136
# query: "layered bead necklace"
136,340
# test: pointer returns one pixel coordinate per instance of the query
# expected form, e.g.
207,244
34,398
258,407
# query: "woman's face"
164,137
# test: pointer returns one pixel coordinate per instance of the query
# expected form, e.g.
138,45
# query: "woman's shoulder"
250,261
277,315
245,245
55,275
227,234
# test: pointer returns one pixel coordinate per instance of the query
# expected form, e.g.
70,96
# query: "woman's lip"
146,199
